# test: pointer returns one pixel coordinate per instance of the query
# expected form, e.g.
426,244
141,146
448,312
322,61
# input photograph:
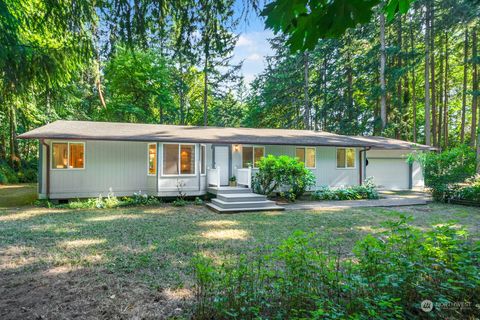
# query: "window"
152,159
345,158
307,156
68,155
178,159
187,159
203,155
251,155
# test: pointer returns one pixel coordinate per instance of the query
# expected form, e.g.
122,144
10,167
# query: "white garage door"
388,173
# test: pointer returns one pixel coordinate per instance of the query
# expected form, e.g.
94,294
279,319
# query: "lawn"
17,194
135,262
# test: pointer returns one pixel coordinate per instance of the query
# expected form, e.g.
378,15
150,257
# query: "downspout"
363,166
47,169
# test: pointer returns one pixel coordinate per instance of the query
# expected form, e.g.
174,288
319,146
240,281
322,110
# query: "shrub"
366,191
198,201
388,277
285,173
179,202
446,168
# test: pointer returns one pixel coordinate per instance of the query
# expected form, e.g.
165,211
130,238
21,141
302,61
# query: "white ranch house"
80,159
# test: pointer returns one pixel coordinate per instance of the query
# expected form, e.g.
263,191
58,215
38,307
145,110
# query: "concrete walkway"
387,199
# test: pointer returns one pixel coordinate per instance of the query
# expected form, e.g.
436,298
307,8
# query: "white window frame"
305,151
179,161
200,160
68,155
354,161
253,153
148,159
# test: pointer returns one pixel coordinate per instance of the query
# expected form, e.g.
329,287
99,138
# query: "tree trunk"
473,131
432,70
398,128
464,91
440,95
205,87
427,78
414,97
306,114
445,95
14,156
383,98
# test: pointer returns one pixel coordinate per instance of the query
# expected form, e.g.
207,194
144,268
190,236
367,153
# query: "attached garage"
387,163
388,172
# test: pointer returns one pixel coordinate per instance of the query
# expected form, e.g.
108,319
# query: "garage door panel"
389,173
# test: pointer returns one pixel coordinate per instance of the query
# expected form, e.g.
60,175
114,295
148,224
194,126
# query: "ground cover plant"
366,191
306,278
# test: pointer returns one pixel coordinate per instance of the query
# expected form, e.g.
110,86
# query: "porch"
239,198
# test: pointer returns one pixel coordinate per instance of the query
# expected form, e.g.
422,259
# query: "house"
80,159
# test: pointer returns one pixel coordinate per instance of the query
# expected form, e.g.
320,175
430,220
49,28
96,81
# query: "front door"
221,159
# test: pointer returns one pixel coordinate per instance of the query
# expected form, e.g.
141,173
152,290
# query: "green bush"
25,174
366,191
282,173
446,168
470,191
305,278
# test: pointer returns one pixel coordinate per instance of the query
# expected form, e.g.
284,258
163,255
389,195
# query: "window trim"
179,174
148,159
68,142
354,162
200,160
253,154
305,150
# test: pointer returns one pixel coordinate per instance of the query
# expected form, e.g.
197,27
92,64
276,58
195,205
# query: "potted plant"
233,181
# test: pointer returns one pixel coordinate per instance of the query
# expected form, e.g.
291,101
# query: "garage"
389,173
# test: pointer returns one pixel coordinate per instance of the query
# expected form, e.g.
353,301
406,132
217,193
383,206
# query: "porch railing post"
249,181
218,176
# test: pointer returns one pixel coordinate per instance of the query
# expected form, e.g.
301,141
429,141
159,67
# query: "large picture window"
152,159
178,159
307,155
68,155
251,155
346,158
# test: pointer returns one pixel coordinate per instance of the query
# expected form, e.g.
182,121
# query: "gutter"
363,166
47,171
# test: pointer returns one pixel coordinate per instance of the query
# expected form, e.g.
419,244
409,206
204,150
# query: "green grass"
151,248
17,194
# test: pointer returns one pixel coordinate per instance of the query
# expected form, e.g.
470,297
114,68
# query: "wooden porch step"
218,209
243,204
226,190
241,197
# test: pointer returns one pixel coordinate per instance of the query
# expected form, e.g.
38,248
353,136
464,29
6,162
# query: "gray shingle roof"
89,130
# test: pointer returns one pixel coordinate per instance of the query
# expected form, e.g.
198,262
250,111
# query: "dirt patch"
64,293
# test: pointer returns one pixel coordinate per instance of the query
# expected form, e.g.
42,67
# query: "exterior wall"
122,166
118,166
192,185
326,170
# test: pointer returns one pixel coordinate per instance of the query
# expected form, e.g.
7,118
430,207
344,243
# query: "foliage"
304,277
368,190
446,168
27,172
305,22
109,202
179,202
198,201
282,173
232,179
140,87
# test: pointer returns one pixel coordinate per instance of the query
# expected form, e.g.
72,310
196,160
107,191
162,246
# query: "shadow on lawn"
141,256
